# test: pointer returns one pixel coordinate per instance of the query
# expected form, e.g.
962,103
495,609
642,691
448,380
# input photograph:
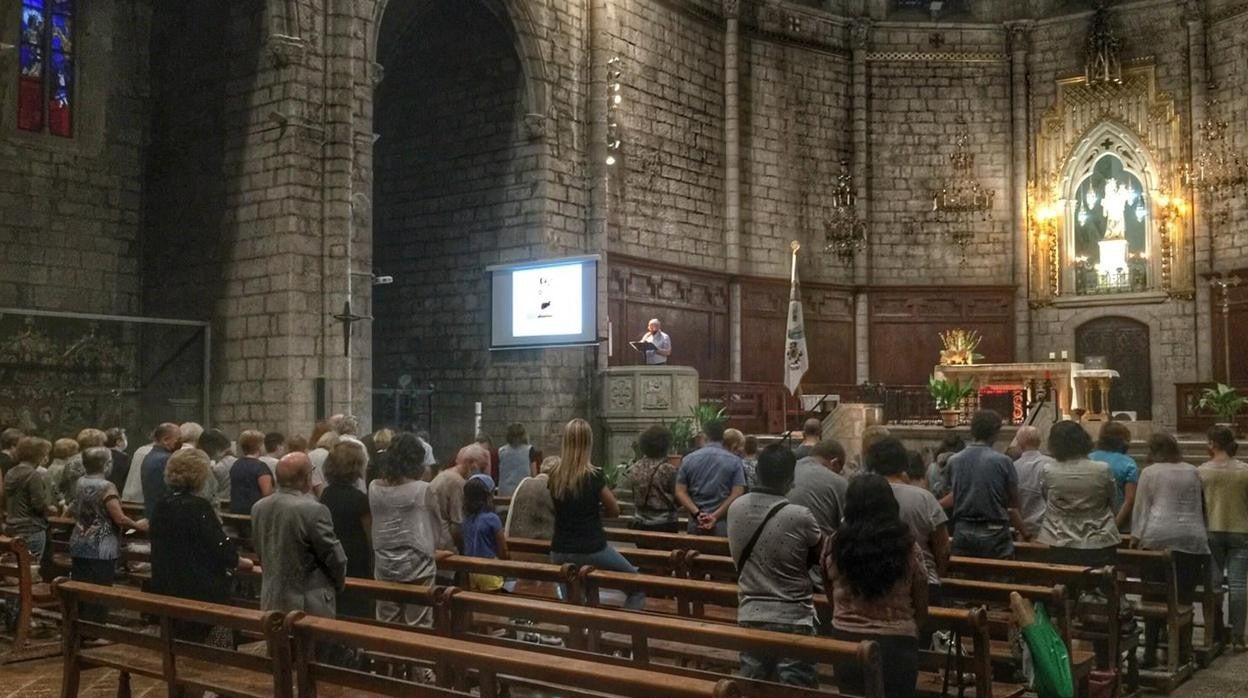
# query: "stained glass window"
46,61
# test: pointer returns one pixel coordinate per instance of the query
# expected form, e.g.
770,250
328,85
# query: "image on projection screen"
546,301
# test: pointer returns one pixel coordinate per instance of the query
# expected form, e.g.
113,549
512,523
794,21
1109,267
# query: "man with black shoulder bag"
774,544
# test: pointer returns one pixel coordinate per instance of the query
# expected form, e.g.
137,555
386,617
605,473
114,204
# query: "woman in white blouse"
1169,515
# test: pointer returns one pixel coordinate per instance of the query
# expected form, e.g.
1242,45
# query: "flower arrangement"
960,346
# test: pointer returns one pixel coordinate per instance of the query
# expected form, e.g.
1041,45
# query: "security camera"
383,280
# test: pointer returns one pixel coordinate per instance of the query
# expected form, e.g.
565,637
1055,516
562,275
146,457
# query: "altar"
1071,385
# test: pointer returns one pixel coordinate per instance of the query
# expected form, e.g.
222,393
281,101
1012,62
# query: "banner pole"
795,246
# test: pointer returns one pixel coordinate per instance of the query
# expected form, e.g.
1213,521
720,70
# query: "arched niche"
1110,235
1128,128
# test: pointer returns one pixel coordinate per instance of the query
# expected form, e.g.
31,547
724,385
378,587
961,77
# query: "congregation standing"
874,530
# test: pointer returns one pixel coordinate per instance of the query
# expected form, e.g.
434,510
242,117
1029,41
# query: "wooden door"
1125,345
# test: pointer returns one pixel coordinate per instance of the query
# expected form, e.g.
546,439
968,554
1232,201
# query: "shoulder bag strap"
749,547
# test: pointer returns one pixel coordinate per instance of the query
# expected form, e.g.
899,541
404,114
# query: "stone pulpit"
637,397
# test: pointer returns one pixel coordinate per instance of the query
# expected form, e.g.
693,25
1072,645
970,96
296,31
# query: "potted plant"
1224,401
948,395
707,411
682,436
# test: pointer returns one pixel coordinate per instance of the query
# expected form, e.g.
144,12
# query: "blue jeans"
35,543
608,559
1230,562
899,655
973,539
786,670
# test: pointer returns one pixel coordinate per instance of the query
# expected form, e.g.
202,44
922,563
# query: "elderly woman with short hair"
192,558
95,543
28,497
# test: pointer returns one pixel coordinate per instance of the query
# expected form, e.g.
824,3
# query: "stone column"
1019,35
1202,235
732,177
860,35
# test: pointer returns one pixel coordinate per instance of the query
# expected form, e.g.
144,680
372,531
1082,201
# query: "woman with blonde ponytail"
579,490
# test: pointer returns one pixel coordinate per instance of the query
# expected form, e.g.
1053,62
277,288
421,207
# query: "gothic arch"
518,19
1110,137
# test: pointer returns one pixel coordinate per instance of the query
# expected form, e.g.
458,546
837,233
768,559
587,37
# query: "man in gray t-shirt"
818,487
774,589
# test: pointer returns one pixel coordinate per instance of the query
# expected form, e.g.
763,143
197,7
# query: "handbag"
637,525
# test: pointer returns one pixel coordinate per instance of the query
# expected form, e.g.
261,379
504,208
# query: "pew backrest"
493,669
170,613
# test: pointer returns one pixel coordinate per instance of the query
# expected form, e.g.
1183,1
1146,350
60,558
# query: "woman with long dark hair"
877,582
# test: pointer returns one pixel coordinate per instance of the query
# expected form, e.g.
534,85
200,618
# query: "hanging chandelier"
1218,170
845,234
959,200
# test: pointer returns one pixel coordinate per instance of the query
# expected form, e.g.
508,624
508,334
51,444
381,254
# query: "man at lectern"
661,340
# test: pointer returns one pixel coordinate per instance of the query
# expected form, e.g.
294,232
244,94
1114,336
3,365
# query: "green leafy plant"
611,474
948,394
1222,400
682,433
707,411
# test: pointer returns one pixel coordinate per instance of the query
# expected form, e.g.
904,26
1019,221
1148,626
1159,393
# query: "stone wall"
461,184
70,208
1228,66
667,190
920,82
795,134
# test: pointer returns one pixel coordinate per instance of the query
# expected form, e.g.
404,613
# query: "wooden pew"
455,612
646,560
1149,574
178,663
995,594
1087,618
651,635
692,597
19,585
705,545
493,671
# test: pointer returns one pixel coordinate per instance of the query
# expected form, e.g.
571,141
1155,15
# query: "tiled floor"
42,679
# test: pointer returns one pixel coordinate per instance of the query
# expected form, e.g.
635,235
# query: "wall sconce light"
615,99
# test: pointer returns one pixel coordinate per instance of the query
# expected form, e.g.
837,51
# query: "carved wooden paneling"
905,327
1124,344
1236,324
829,317
693,306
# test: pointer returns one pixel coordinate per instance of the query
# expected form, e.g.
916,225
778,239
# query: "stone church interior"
874,348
